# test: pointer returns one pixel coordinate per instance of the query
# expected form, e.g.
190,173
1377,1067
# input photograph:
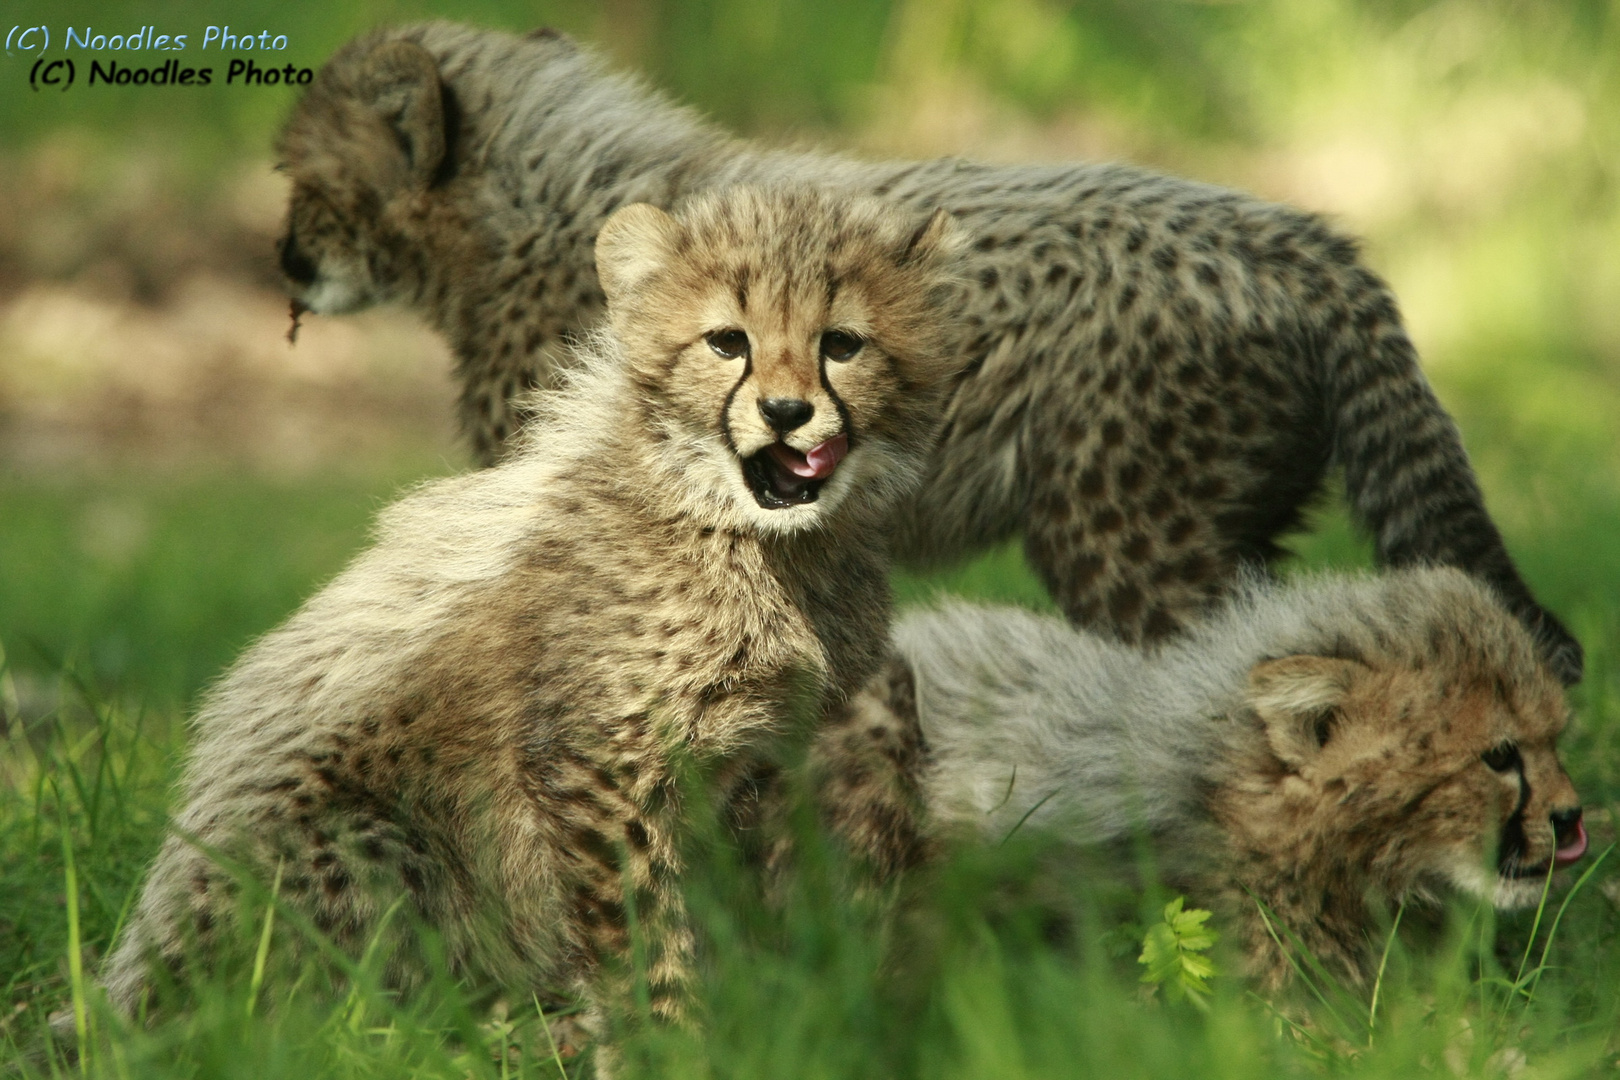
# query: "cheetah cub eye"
730,343
1503,757
840,345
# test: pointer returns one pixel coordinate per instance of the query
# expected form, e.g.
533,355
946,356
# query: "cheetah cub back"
479,719
1314,746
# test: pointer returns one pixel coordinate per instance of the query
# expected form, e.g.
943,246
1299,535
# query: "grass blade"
263,952
551,1040
1027,814
1535,926
1378,981
81,1015
1552,931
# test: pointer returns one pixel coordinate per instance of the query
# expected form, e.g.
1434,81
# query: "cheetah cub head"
786,347
1435,767
364,149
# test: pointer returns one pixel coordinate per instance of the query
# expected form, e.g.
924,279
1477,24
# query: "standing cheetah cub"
480,718
1316,746
1158,374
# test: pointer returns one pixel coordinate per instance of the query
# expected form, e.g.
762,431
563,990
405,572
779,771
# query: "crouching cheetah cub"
1312,746
482,719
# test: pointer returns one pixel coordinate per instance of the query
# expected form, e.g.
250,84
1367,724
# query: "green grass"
153,584
960,975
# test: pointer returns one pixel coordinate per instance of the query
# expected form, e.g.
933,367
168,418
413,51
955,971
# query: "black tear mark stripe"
838,402
725,409
1515,842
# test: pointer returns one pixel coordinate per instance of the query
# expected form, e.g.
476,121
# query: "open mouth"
1564,856
780,476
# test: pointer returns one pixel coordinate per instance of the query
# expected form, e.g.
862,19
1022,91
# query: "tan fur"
1316,747
1158,373
485,716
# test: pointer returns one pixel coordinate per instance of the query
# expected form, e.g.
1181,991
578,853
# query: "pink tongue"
824,459
818,464
1566,855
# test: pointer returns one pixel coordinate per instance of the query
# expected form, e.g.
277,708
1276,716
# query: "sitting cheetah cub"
480,718
1311,746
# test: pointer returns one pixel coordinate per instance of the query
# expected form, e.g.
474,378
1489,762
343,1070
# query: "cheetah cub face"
362,150
1439,778
787,351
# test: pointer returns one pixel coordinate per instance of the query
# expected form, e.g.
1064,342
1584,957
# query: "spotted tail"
1406,474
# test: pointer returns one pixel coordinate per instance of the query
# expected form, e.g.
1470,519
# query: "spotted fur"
485,716
1320,747
1158,373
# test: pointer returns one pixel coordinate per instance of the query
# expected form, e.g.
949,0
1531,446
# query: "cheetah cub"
483,718
1313,746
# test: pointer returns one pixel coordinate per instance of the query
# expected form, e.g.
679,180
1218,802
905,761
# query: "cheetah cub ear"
936,239
1297,699
399,80
634,244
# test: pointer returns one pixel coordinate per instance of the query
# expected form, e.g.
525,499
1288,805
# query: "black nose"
786,413
294,263
1566,824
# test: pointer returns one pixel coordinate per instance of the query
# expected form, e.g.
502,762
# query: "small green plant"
1173,952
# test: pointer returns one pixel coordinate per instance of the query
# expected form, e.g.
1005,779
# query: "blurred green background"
174,478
